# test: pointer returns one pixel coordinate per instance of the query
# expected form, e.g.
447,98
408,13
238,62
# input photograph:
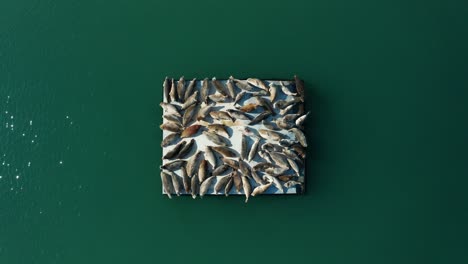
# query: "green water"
386,82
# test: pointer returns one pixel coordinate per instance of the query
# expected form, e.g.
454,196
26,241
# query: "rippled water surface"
80,84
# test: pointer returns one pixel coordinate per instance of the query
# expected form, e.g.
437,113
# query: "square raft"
234,130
